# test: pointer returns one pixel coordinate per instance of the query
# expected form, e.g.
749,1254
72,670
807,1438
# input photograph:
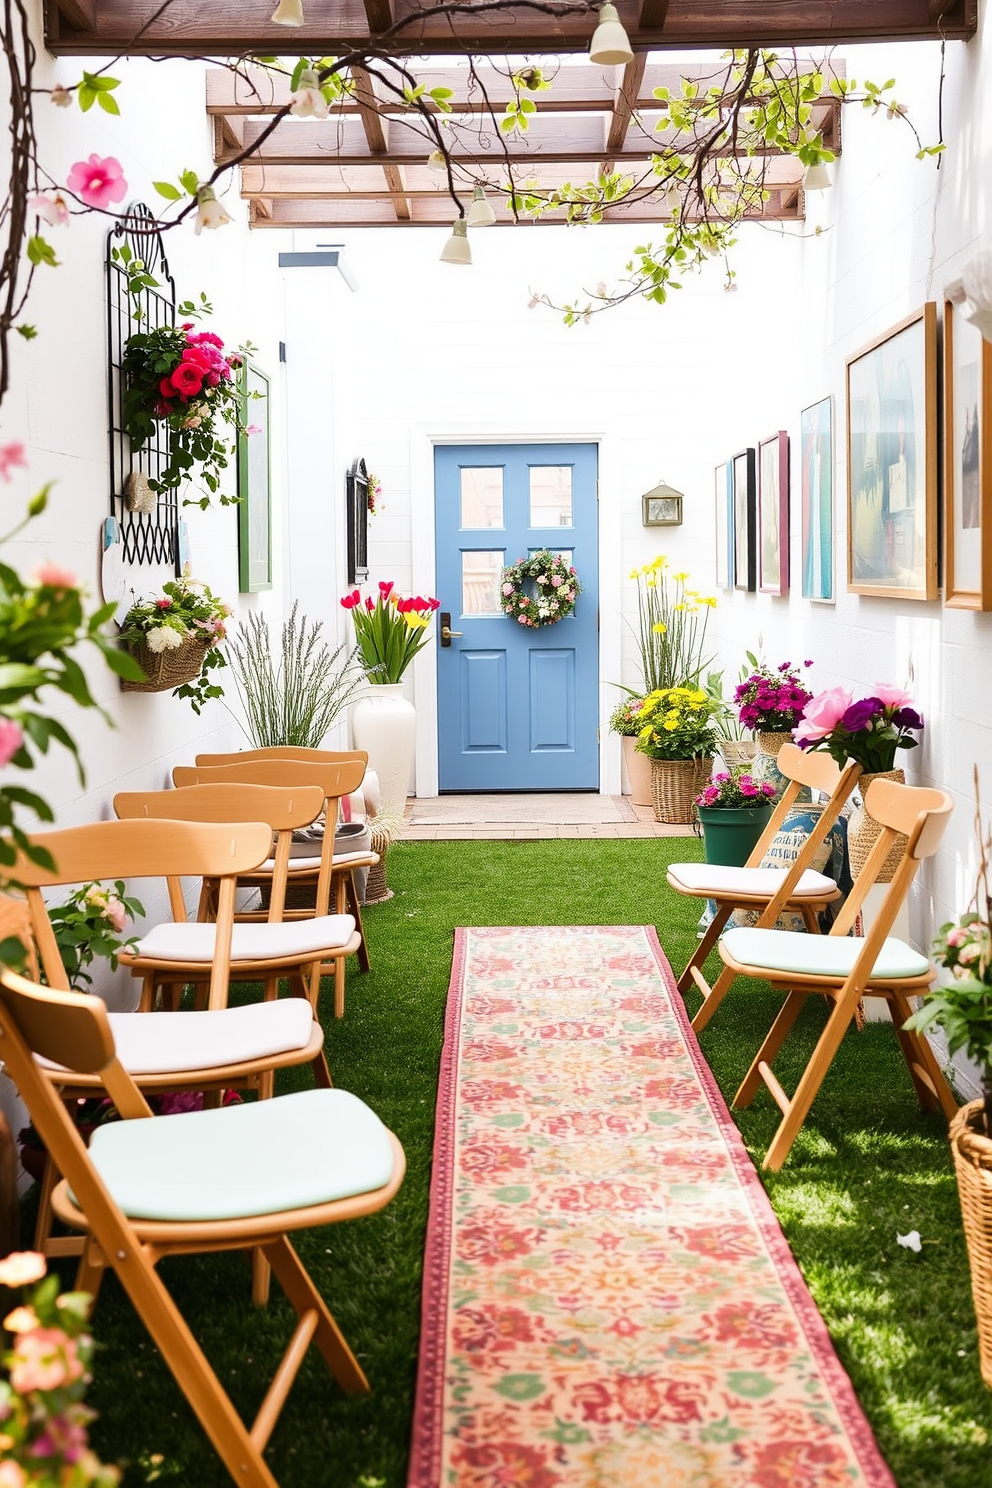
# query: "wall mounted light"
661,506
610,45
456,250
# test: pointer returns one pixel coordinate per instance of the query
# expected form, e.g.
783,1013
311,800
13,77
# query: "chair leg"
806,1091
713,998
261,1277
303,1296
354,908
775,1038
918,1054
710,937
810,919
321,1072
43,1223
89,1273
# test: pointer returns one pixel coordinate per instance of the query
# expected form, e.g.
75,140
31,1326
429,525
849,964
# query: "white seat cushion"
711,881
169,1043
257,1158
819,955
312,865
263,942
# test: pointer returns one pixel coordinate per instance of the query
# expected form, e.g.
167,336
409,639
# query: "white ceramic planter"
384,723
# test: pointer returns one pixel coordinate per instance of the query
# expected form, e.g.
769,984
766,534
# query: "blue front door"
518,709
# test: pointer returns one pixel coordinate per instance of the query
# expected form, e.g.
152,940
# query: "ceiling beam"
380,15
625,102
368,107
652,15
79,14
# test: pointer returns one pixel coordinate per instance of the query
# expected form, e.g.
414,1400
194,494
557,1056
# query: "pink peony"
11,739
99,183
21,1268
822,714
45,1359
115,913
53,576
957,936
891,696
11,455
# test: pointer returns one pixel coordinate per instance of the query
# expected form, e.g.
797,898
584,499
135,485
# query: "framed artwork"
816,445
892,461
255,496
357,506
744,515
724,524
773,514
967,464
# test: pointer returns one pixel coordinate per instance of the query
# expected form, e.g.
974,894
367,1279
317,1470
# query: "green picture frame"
254,483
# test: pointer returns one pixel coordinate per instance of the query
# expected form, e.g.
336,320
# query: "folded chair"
848,968
772,891
322,869
227,1179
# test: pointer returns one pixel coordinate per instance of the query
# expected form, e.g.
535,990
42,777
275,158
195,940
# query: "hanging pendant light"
456,250
480,213
610,45
816,178
288,13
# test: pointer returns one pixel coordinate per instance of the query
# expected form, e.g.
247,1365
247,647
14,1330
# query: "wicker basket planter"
674,786
863,831
736,752
165,670
770,743
973,1163
376,888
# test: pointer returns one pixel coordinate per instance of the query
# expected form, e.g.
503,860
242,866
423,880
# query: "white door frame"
422,442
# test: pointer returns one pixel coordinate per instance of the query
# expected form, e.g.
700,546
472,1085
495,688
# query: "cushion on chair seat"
311,865
819,955
259,1158
711,881
169,1043
262,942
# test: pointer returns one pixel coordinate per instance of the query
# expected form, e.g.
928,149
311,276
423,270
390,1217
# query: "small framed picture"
745,513
892,461
661,511
773,514
723,491
967,464
817,500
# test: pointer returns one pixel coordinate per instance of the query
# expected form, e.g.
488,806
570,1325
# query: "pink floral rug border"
427,1443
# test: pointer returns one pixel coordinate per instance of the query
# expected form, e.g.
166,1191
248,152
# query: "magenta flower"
99,183
11,740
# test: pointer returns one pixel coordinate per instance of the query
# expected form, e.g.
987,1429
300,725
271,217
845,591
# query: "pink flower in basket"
821,715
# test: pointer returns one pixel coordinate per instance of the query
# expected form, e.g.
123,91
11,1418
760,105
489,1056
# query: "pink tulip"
11,739
822,714
891,696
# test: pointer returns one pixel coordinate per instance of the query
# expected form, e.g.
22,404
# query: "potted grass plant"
293,697
733,810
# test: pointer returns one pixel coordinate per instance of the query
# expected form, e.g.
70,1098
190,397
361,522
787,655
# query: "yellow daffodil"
659,629
680,578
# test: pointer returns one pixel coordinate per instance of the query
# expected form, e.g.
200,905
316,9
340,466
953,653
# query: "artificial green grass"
866,1165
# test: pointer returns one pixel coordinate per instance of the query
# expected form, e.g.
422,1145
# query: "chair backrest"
286,752
15,924
145,849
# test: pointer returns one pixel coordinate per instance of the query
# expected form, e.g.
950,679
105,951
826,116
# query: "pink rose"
890,696
957,936
822,714
52,576
522,619
99,183
507,588
115,913
45,1359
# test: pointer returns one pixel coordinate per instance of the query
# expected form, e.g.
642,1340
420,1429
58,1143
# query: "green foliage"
40,251
389,631
186,609
295,701
98,89
89,924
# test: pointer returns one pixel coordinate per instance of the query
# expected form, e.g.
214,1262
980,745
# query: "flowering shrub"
373,494
556,589
736,788
185,610
676,723
868,730
672,621
772,701
184,380
43,1420
89,924
389,630
626,716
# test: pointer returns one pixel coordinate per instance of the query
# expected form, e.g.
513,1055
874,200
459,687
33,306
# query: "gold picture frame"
967,464
892,461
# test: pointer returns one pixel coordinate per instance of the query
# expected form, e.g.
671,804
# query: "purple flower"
907,718
861,715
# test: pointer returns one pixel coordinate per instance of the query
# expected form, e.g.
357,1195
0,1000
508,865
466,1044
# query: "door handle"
446,630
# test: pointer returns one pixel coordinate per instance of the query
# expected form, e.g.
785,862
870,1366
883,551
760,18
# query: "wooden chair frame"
79,1034
817,772
921,814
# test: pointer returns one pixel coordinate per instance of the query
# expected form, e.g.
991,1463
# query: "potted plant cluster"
91,924
678,735
733,809
625,720
175,638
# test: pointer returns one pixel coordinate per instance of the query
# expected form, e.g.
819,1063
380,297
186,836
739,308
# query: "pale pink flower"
21,1320
822,714
891,696
12,454
253,429
507,588
45,1359
308,102
51,209
210,213
61,97
22,1267
12,1475
11,739
115,913
98,182
54,576
969,953
957,936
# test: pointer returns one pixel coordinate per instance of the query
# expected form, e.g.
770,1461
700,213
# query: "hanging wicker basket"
165,670
973,1163
674,786
376,888
863,831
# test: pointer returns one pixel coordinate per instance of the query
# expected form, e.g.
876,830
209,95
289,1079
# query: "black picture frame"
744,465
357,504
254,483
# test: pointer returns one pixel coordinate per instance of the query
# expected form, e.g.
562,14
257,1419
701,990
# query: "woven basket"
737,752
863,831
770,743
675,784
973,1164
166,669
376,888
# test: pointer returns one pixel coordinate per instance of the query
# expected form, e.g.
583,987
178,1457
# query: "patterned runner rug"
609,1301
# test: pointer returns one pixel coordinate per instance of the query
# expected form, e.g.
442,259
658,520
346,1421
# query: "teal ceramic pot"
730,832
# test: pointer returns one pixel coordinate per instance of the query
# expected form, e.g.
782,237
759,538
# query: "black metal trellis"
148,537
358,523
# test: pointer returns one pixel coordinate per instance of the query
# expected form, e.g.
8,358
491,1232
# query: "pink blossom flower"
253,429
12,1475
45,1359
957,936
11,739
54,576
163,604
22,1267
62,1436
822,714
99,183
115,912
21,1320
522,619
10,455
890,696
507,588
51,209
61,97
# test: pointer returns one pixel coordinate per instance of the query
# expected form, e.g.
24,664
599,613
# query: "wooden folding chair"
797,889
230,1179
322,869
848,968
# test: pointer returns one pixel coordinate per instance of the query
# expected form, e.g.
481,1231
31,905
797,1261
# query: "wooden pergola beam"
368,108
625,102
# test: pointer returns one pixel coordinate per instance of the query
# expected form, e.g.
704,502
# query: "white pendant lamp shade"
610,45
288,13
456,250
817,178
480,213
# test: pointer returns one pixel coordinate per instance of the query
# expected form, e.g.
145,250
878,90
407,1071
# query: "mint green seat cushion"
820,955
243,1160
